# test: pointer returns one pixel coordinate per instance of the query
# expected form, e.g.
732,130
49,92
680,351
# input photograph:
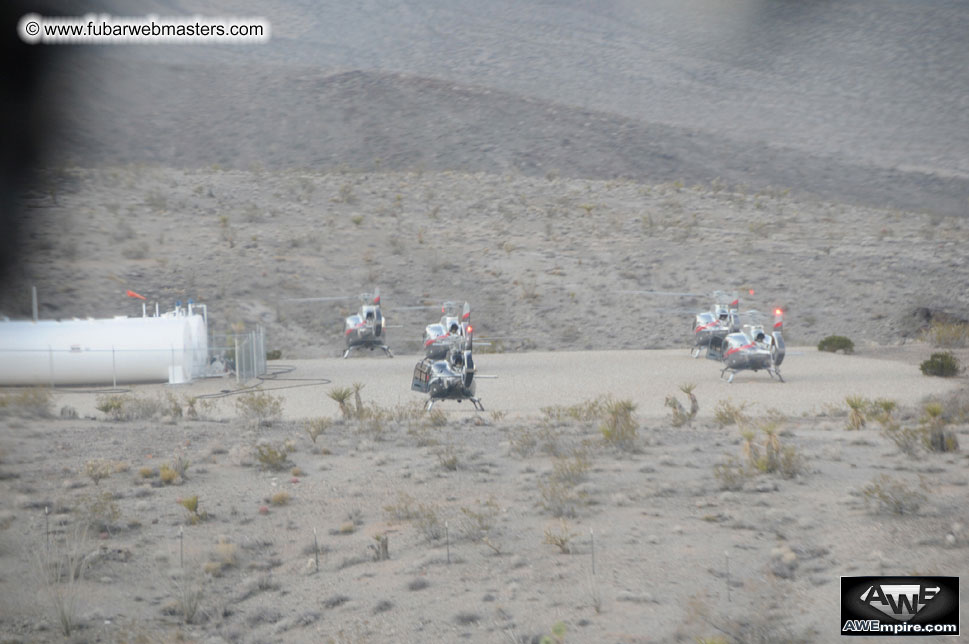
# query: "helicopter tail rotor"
777,347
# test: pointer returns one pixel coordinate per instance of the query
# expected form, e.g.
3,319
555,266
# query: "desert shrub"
429,522
127,408
191,503
404,509
892,495
60,569
908,439
97,469
479,524
259,408
572,470
447,456
836,343
280,498
272,458
188,587
857,410
769,456
560,498
355,409
561,537
167,475
436,418
731,474
590,410
680,415
32,402
618,427
316,427
100,512
942,364
726,413
935,435
275,354
948,335
522,441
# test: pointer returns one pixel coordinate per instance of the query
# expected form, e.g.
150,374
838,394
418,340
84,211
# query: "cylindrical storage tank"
170,348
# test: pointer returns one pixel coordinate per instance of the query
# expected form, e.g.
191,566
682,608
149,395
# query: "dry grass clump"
886,494
280,498
947,335
427,518
33,402
726,413
272,458
224,555
127,407
259,408
588,411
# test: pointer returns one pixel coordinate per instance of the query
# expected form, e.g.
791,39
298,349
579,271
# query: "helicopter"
454,324
363,330
367,329
721,321
750,348
450,377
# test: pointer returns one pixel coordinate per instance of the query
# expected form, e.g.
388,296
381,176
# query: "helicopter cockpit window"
454,327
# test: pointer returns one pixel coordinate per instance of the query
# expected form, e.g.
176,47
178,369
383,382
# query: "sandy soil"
544,263
659,541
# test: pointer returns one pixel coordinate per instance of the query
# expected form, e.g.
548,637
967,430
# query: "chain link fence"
242,354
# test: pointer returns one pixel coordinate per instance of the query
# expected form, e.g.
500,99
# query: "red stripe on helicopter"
703,327
736,349
778,323
359,326
466,315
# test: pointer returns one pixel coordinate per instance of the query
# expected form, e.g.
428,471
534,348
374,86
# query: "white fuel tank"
172,347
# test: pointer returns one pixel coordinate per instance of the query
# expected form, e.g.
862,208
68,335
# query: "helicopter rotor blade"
668,293
318,299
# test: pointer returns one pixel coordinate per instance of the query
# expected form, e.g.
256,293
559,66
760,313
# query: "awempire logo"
899,606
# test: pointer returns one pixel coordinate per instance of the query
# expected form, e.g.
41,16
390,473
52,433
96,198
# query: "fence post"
254,367
235,339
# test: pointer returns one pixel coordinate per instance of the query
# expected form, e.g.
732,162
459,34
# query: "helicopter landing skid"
695,352
384,347
474,401
732,374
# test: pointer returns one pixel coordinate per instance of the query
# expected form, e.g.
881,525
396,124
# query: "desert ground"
492,519
586,176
